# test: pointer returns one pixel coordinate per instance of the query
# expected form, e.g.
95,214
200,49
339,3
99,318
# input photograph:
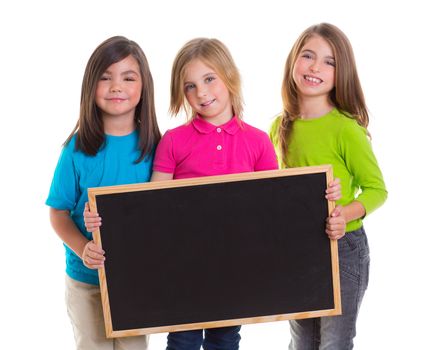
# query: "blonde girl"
205,82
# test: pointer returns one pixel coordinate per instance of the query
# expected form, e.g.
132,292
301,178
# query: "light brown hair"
347,95
90,135
214,54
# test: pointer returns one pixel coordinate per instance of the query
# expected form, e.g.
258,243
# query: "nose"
315,68
115,87
201,91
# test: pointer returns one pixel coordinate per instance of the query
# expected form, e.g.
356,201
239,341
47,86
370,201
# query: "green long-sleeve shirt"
338,140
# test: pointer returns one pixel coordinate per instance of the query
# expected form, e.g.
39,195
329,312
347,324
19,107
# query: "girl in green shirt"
324,121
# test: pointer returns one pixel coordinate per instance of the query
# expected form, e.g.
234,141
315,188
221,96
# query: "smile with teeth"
205,104
312,79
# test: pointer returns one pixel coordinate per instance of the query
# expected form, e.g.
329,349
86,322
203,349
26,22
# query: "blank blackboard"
216,251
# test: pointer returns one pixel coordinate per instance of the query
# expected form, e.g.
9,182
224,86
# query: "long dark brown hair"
90,135
347,95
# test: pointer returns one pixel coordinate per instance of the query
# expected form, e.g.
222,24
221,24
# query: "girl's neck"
312,108
118,126
218,120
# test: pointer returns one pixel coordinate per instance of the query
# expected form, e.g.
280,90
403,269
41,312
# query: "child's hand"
333,192
92,221
336,224
93,256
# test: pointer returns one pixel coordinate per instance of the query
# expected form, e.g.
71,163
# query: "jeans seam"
357,300
359,289
351,276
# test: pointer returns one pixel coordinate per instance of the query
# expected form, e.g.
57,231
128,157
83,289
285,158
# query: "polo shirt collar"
204,127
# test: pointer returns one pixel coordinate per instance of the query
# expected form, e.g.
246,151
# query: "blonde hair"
347,95
214,54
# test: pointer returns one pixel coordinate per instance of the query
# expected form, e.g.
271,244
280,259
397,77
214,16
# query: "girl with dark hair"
112,143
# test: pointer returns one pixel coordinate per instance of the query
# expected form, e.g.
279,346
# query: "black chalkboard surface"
216,251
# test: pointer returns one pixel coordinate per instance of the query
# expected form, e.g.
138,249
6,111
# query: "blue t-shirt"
114,164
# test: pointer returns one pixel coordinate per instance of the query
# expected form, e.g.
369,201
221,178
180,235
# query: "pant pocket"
353,255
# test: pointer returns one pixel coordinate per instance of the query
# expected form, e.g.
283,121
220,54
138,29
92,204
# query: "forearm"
160,176
353,211
67,231
373,198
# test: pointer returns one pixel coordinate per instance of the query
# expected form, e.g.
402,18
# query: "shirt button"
219,148
219,130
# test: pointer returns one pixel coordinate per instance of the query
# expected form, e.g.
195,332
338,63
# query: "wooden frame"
97,194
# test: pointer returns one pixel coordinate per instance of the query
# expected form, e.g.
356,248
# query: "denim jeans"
337,332
225,338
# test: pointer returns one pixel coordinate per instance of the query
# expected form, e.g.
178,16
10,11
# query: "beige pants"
84,307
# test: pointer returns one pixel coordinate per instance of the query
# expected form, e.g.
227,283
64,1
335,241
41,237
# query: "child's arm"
336,223
352,211
362,165
88,251
366,174
160,176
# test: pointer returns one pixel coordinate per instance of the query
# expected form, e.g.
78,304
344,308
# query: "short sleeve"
63,193
268,158
164,160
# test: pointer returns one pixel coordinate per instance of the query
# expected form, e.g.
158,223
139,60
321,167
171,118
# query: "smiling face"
119,91
206,93
314,69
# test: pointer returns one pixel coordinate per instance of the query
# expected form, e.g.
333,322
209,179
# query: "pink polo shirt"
200,148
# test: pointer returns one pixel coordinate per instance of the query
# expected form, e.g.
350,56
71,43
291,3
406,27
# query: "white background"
44,49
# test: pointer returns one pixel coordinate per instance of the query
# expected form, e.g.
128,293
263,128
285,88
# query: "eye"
189,87
209,79
331,62
105,77
130,78
307,56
